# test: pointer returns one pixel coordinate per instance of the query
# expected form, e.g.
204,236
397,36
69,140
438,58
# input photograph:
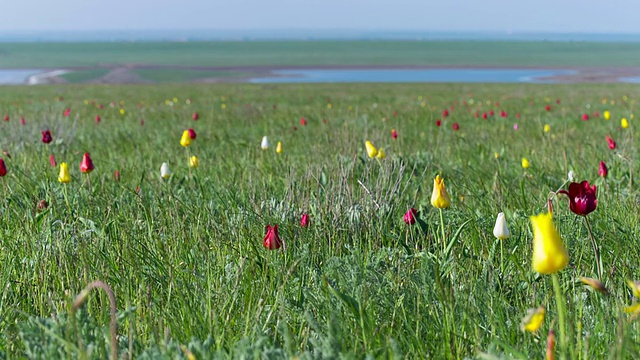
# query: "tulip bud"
271,239
52,161
265,143
525,163
303,121
549,253
46,136
603,171
185,140
3,168
394,134
547,128
279,147
86,165
195,116
116,175
371,150
193,162
165,173
624,123
439,197
64,176
192,133
304,221
500,230
607,115
410,216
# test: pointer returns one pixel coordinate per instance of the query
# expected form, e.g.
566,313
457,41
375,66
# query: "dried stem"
113,325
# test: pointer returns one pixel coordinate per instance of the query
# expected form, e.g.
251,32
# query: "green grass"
183,75
80,76
184,256
291,53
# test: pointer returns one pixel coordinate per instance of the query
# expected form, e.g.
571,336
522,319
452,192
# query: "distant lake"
412,75
16,76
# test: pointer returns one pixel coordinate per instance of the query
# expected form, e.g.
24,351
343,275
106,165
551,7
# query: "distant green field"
182,75
291,53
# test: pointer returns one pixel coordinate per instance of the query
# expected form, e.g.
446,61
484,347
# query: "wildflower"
279,148
185,140
303,121
6,118
500,230
410,216
594,284
515,126
66,113
64,176
547,128
394,134
570,175
607,115
455,126
86,165
611,142
371,150
549,254
165,173
585,117
582,198
195,116
52,161
525,163
547,108
43,205
551,344
193,162
496,154
484,116
533,320
624,123
602,170
3,168
271,239
445,113
438,122
116,175
23,121
439,197
192,133
265,143
381,154
98,119
304,221
46,136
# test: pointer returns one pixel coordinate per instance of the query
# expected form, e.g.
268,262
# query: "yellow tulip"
607,114
381,154
64,176
525,163
371,150
496,155
279,148
624,123
547,128
635,288
439,196
193,162
549,254
533,320
185,140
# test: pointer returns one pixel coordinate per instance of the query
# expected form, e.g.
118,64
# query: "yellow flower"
547,128
525,163
185,140
635,287
279,147
549,254
193,162
496,155
381,154
121,111
64,176
533,320
624,123
439,196
606,113
371,150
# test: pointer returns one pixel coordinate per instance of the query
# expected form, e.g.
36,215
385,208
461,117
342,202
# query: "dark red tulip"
585,117
86,165
3,168
116,175
445,113
503,113
558,101
195,116
46,137
52,161
603,171
410,216
22,121
455,126
304,221
547,107
438,122
303,121
192,133
611,142
98,119
67,111
271,239
485,116
394,134
582,198
100,106
43,205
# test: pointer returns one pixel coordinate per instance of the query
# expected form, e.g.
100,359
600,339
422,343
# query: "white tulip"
265,143
500,230
570,175
164,171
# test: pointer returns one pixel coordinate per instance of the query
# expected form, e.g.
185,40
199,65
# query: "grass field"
319,53
185,257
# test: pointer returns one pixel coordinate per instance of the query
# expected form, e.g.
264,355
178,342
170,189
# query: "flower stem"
561,313
444,242
501,260
595,249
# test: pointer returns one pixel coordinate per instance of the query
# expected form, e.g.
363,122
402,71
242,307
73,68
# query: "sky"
548,16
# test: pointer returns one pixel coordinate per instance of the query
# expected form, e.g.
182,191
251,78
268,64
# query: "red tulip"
98,119
195,116
6,118
46,136
304,221
67,111
192,133
271,239
517,116
303,121
445,113
455,126
497,104
585,117
116,175
476,114
596,114
438,122
100,106
22,121
503,113
491,113
52,161
3,168
603,171
410,216
86,165
558,101
547,107
582,198
611,142
395,113
141,122
484,115
394,134
43,205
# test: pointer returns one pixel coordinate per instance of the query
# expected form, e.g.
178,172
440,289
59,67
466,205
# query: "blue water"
412,76
16,76
633,80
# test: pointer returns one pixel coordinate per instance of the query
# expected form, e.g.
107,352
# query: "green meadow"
184,255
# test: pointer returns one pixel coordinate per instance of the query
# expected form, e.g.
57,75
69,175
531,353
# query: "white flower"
500,230
265,143
164,171
570,175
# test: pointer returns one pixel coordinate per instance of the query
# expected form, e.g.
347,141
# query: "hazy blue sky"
589,16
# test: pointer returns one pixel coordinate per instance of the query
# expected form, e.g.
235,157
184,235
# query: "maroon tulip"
43,205
585,117
86,165
455,126
558,101
192,133
98,119
195,116
438,122
603,171
303,121
611,142
22,121
582,198
67,111
394,134
410,216
271,239
445,113
46,136
304,221
52,161
3,168
141,122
